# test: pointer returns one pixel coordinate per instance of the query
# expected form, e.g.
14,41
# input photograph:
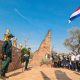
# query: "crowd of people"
70,61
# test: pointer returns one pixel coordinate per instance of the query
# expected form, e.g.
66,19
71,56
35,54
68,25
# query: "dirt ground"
43,73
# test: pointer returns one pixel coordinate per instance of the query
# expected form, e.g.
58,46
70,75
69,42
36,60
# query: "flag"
75,15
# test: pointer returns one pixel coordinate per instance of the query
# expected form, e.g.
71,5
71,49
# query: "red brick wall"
15,57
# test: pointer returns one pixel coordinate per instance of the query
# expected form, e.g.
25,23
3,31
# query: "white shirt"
26,55
73,58
78,57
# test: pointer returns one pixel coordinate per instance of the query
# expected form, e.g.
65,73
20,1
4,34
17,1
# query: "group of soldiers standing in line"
71,61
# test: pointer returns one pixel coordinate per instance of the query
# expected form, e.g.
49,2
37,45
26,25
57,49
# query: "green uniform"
6,50
25,56
27,59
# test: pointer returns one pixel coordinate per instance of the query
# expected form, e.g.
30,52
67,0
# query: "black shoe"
26,69
4,76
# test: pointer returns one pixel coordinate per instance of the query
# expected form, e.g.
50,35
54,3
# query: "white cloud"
21,15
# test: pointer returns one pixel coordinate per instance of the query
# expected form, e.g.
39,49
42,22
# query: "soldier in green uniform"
6,55
27,56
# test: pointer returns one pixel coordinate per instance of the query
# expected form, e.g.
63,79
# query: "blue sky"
31,19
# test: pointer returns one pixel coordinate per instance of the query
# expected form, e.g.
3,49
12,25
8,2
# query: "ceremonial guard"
6,55
27,56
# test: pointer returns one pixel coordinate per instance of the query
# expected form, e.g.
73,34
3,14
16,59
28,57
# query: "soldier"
6,55
27,56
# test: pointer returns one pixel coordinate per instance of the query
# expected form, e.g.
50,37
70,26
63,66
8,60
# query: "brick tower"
42,50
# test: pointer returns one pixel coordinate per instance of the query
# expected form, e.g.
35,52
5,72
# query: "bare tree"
73,41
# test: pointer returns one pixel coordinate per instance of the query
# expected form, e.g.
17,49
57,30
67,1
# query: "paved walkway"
44,73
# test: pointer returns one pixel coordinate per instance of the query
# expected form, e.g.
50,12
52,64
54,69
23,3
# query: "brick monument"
42,50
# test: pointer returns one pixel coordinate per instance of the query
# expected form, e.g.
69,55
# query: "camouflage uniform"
6,50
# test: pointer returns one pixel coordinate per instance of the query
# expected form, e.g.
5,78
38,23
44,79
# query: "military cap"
10,35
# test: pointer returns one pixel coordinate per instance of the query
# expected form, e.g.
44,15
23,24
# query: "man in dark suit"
6,55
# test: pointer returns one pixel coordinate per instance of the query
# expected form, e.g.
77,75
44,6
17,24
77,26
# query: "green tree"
24,51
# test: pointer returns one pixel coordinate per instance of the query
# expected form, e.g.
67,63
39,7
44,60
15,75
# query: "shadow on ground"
45,77
15,74
77,73
61,75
